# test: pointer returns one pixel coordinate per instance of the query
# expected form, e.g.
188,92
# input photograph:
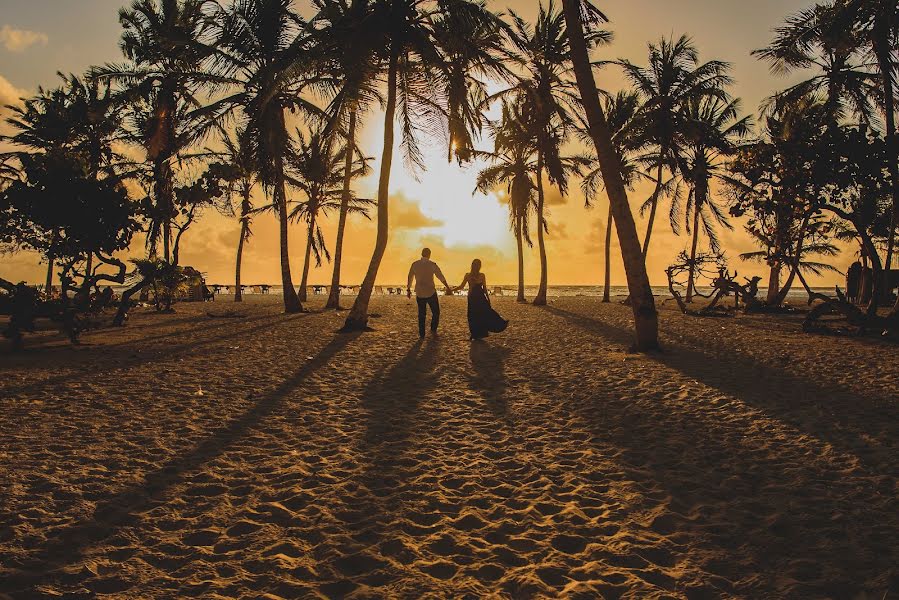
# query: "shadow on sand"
69,544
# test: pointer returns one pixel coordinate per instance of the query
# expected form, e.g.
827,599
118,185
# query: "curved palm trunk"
304,280
646,321
292,302
357,320
773,283
49,284
244,227
697,207
520,247
540,298
164,189
334,293
607,284
654,204
794,268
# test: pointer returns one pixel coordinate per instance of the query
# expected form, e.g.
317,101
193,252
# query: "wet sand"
265,456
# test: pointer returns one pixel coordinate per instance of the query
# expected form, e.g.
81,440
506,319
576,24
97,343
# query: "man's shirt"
424,270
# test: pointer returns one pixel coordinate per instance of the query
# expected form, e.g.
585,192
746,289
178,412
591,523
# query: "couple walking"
482,319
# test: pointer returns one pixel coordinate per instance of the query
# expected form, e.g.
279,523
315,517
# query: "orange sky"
438,209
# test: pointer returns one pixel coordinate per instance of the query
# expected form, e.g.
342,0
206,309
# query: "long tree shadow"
123,509
165,353
740,502
391,401
488,376
864,426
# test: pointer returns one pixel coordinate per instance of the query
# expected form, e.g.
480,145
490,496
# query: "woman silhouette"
482,319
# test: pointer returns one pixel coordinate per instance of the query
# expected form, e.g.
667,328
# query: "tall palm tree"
413,63
513,164
237,167
621,112
167,44
673,77
263,47
319,174
545,93
579,13
715,129
347,42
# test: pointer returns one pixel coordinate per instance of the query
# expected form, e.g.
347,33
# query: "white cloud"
9,94
19,40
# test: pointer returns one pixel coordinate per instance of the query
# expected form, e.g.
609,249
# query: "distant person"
482,319
423,271
853,282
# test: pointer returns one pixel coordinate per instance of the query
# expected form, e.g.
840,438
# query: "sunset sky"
435,207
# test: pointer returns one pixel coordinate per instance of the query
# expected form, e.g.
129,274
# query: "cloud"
558,231
9,95
408,215
19,40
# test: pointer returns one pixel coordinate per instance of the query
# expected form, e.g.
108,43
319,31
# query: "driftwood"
856,320
723,285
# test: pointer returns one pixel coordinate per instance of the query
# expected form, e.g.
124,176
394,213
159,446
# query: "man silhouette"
424,271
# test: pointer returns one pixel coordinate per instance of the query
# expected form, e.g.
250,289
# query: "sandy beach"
261,455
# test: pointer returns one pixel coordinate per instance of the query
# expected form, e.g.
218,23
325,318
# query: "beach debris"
200,392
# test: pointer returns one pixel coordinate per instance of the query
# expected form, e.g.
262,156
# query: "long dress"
482,319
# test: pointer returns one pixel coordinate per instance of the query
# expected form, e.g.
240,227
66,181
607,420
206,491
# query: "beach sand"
265,456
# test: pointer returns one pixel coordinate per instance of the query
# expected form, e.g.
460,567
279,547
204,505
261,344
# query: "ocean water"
795,293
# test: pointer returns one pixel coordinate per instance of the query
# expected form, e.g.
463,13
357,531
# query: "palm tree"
715,129
472,43
238,169
672,78
319,175
544,93
263,47
809,40
414,61
621,112
513,164
167,45
347,40
646,323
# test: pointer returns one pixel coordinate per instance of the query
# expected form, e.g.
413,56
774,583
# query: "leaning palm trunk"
292,302
520,246
773,282
653,205
607,284
697,207
164,190
646,321
357,320
304,280
540,298
238,297
244,229
49,284
334,293
795,266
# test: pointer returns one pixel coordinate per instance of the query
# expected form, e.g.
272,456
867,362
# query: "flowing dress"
482,319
